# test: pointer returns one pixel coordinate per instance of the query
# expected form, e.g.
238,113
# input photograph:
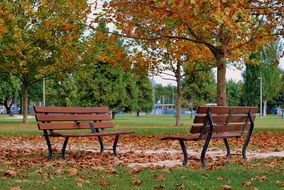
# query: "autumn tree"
173,55
108,76
228,30
40,39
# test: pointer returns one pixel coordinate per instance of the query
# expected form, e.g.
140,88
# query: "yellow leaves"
135,170
10,173
136,182
3,28
72,171
226,187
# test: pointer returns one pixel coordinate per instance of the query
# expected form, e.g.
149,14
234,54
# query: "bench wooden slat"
71,117
197,137
222,118
91,134
66,126
226,109
218,128
85,110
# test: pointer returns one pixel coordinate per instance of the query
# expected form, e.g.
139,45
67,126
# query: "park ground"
143,162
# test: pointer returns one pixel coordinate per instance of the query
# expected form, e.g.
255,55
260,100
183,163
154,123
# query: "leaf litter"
137,152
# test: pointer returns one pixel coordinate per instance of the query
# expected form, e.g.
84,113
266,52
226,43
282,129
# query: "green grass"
235,175
147,124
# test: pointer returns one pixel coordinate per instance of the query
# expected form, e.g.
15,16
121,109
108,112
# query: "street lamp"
43,92
260,97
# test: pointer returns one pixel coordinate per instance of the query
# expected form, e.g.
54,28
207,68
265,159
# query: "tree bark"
178,94
221,82
25,103
137,113
178,106
113,115
8,104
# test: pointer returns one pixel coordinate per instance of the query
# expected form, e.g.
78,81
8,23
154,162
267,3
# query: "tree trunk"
137,113
113,115
178,95
25,103
8,104
178,106
221,82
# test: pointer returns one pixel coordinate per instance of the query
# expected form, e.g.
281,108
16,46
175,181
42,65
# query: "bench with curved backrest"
69,122
218,122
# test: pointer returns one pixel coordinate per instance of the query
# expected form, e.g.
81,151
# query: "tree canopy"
223,30
40,39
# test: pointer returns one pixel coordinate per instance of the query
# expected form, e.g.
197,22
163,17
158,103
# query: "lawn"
29,169
147,124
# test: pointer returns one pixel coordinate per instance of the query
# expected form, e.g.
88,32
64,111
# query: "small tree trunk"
25,103
178,94
8,104
137,113
221,82
178,107
113,115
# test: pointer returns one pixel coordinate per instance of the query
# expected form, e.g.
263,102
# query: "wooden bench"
68,120
218,122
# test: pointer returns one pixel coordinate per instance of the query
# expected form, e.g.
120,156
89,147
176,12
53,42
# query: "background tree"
199,86
145,96
102,85
225,30
40,39
267,61
9,90
62,92
279,99
234,92
251,85
167,60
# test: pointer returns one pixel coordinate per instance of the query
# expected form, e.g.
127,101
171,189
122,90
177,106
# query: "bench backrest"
225,119
65,118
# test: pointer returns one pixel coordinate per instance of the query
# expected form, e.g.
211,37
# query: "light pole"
260,97
43,92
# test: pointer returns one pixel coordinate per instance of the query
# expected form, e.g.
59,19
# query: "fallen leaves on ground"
226,187
10,173
18,152
136,182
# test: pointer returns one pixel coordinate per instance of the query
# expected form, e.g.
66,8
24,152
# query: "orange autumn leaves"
232,26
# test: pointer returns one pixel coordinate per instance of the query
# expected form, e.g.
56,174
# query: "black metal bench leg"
100,139
63,151
115,144
48,146
203,153
228,148
184,151
244,150
248,136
